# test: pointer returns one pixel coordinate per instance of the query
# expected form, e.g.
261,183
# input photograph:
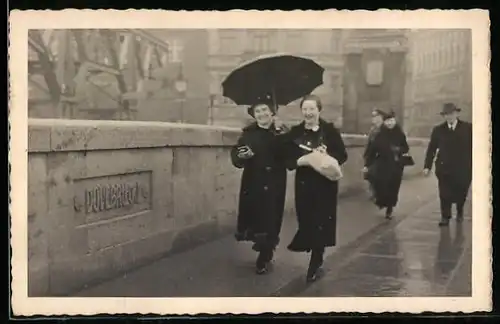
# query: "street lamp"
214,90
181,88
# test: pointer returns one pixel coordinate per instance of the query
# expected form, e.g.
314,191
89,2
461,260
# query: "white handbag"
324,164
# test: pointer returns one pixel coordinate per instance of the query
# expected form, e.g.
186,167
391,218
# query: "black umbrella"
281,78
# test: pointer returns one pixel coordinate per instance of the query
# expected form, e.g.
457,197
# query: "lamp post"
181,88
214,89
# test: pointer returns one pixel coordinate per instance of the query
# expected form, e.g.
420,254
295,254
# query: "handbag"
407,160
324,164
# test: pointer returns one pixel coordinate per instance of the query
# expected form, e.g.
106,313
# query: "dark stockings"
388,212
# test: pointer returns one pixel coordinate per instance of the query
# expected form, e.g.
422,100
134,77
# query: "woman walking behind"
315,195
263,184
377,122
385,157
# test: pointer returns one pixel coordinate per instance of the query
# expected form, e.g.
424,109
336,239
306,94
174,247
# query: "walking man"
452,142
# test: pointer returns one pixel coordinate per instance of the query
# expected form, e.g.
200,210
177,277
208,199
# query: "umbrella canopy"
281,78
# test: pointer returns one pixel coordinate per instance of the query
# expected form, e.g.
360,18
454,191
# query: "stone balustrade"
107,196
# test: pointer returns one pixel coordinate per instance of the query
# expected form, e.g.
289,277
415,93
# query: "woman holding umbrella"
263,183
315,195
278,78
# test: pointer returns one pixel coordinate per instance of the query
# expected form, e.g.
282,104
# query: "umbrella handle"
274,100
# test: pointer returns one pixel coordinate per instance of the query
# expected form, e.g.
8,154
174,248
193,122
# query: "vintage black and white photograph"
242,162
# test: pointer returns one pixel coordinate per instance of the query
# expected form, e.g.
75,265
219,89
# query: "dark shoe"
314,265
262,270
388,213
444,222
313,276
263,261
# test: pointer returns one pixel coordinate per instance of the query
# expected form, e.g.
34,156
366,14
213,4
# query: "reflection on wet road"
415,258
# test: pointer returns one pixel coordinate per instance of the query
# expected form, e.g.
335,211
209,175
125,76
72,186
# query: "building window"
261,42
175,51
335,43
293,41
227,45
335,84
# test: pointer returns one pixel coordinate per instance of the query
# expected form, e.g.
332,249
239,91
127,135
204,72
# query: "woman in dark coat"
315,195
383,159
263,184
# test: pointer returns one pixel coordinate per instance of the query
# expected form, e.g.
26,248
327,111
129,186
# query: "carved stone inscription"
113,196
106,197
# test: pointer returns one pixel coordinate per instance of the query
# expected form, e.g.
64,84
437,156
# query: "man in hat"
452,142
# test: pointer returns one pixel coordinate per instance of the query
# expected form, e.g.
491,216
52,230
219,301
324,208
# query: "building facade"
374,76
440,71
228,48
149,61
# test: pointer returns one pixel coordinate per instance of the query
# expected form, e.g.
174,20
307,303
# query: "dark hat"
385,114
448,108
250,110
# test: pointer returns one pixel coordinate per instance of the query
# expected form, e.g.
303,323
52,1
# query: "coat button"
265,188
268,168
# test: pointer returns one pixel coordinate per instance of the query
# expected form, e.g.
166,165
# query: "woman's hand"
364,170
245,153
321,149
301,161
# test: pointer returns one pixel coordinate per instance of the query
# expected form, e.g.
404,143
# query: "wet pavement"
225,268
415,258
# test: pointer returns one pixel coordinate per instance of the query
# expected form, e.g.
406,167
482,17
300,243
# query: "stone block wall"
107,196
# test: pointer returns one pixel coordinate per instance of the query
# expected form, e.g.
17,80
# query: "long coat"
315,195
263,186
383,160
371,136
454,160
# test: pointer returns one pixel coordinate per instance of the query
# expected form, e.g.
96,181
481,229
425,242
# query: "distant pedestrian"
385,163
452,142
377,122
315,195
263,183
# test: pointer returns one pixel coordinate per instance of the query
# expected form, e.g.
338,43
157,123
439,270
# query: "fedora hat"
448,108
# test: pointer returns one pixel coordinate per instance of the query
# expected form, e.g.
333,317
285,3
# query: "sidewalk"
225,268
416,258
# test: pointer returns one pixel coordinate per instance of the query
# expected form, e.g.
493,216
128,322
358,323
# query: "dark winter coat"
263,186
454,159
383,160
315,195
